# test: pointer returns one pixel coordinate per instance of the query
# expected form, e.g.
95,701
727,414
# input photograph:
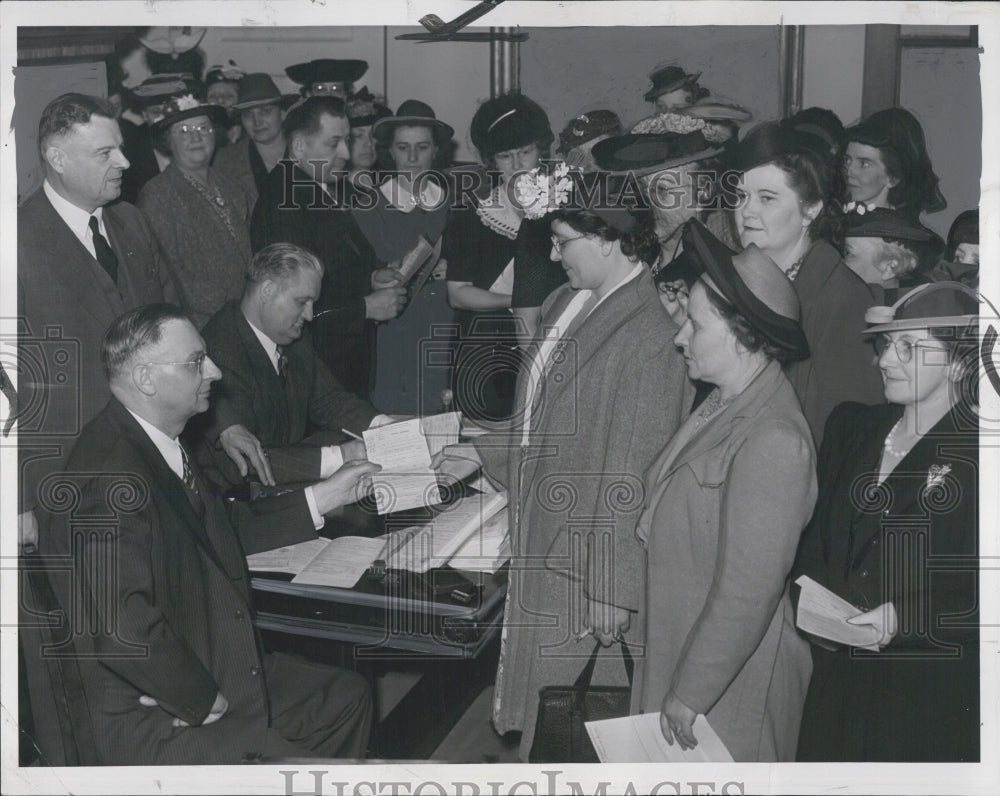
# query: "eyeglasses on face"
197,364
904,347
558,243
188,130
672,291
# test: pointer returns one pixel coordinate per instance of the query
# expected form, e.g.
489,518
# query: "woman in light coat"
727,500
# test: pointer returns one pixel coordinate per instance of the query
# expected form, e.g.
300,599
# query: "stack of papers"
325,562
488,549
822,613
638,739
404,450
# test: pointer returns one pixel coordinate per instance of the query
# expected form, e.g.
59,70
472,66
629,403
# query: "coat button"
239,613
863,574
255,671
874,542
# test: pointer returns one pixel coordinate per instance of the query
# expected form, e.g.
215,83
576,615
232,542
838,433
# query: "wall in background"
833,69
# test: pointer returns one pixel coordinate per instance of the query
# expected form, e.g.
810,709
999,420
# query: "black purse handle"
583,680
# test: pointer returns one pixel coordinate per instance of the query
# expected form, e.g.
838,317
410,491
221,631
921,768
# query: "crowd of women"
755,364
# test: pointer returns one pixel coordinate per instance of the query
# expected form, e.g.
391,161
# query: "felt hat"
413,113
507,122
258,89
156,89
925,306
754,284
327,70
648,153
224,73
669,78
883,222
177,109
364,109
715,109
588,126
770,140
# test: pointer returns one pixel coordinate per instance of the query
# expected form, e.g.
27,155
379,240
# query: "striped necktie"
188,478
105,255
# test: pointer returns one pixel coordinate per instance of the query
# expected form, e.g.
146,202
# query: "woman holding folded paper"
602,390
726,502
899,489
409,205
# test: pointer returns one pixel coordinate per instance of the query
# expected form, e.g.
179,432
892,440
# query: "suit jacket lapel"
272,391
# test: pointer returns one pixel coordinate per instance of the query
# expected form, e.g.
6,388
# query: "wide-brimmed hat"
716,109
364,109
412,113
157,89
257,89
177,109
770,140
927,306
647,153
507,122
327,70
754,284
883,222
669,78
588,126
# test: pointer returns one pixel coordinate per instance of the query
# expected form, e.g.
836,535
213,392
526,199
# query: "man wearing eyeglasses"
173,669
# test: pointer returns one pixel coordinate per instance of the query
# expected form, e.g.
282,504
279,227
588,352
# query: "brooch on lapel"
936,475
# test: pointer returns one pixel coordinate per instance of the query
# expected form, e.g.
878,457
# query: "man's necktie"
282,364
189,481
105,256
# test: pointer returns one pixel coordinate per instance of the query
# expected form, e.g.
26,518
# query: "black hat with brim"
648,153
770,140
412,113
669,78
175,112
754,284
258,89
927,306
364,109
882,222
327,70
157,89
588,126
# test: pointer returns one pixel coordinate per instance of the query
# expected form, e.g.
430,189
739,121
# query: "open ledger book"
822,613
342,561
637,739
405,451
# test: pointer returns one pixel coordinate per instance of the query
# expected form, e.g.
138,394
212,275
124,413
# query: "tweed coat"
610,400
165,573
295,209
242,163
66,301
912,541
722,524
839,368
282,417
209,262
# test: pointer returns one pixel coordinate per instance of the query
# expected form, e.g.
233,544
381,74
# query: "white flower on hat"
186,102
539,194
669,123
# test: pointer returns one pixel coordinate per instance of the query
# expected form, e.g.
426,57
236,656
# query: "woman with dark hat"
199,216
887,165
599,393
327,77
889,250
726,502
222,87
261,108
512,135
582,133
410,204
789,189
899,484
363,110
673,88
963,238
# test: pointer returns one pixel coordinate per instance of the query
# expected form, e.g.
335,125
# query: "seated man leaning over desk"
274,385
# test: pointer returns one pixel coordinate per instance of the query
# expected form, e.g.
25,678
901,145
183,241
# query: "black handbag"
560,734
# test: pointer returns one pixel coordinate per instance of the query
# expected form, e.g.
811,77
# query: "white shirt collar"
169,447
270,347
76,218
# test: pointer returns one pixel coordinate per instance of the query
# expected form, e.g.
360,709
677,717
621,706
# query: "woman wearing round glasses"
895,535
199,216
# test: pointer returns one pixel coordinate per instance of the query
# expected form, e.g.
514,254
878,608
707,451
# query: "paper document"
638,739
422,548
404,450
824,614
336,562
486,550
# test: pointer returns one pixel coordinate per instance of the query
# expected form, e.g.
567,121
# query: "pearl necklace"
891,449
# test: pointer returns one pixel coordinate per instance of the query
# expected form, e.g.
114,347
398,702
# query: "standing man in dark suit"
274,384
175,674
307,202
82,262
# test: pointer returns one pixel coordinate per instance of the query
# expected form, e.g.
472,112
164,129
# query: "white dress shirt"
77,219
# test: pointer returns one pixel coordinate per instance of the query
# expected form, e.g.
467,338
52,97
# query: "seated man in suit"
173,668
307,201
275,386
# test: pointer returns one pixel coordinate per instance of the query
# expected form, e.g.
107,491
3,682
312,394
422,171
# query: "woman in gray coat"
602,391
727,500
